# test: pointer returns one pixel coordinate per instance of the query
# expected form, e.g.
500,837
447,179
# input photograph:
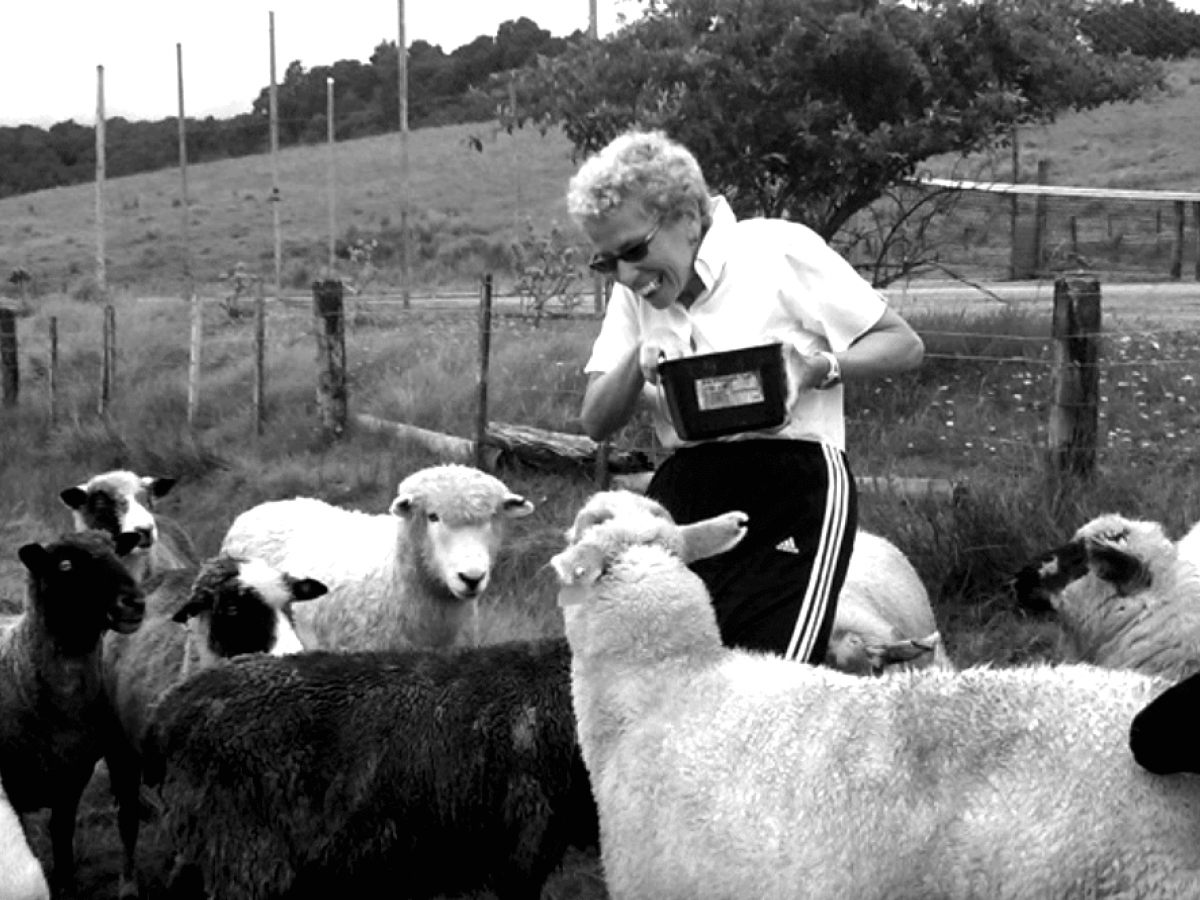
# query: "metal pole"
183,185
332,175
402,87
101,265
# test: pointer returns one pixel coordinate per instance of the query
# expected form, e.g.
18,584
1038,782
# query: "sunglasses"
606,263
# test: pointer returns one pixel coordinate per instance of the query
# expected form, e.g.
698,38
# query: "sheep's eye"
434,517
65,565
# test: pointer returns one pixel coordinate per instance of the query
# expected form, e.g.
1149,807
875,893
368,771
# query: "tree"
812,109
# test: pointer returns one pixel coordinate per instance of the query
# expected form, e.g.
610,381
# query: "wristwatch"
834,375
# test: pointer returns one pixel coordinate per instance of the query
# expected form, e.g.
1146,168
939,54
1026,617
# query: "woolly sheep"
121,501
193,620
883,619
53,716
1126,595
407,578
725,773
323,774
21,875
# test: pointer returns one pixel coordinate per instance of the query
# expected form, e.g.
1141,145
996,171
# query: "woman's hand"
657,347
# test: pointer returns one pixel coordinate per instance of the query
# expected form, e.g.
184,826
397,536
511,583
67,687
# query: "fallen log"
535,447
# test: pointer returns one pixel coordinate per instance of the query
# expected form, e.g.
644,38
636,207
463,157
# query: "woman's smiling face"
664,271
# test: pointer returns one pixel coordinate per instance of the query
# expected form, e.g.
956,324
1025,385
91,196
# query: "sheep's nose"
471,582
145,536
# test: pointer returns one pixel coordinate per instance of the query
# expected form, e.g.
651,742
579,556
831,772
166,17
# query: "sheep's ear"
307,589
578,568
888,654
712,536
1124,570
158,487
402,506
34,556
514,506
74,497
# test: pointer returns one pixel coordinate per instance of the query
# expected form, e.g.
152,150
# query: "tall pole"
402,88
101,264
597,278
332,175
593,26
274,126
183,185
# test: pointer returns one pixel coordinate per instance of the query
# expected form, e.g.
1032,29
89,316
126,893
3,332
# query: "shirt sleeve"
845,303
619,332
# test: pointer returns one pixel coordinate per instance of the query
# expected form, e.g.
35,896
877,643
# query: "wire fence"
984,397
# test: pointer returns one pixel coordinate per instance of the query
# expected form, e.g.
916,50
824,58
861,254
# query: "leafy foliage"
810,109
547,267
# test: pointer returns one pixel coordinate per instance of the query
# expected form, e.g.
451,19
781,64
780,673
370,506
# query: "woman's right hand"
657,347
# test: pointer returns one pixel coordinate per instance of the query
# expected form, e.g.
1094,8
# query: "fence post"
331,356
1196,223
485,352
194,350
1040,218
1074,409
52,374
1177,249
9,375
108,360
260,357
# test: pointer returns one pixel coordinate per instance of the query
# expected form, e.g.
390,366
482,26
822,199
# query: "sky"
48,67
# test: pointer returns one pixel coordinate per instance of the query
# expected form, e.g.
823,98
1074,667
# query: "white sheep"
406,578
723,773
21,875
883,621
1126,594
194,619
121,501
54,718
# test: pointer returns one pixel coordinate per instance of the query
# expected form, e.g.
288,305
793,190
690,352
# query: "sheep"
193,620
53,715
1126,594
122,501
433,771
21,875
723,773
408,578
883,619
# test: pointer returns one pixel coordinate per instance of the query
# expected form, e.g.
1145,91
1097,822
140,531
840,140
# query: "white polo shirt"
765,280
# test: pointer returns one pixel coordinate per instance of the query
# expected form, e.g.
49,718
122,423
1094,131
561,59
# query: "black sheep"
402,773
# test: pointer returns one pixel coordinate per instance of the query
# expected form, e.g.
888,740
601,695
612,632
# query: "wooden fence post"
1177,249
1196,223
331,356
9,374
194,350
1040,220
52,374
485,352
1074,409
108,358
260,357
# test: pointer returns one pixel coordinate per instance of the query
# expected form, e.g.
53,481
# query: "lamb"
53,716
408,578
1126,594
193,621
21,875
327,773
122,501
726,773
884,620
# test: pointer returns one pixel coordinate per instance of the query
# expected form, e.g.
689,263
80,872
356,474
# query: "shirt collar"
710,257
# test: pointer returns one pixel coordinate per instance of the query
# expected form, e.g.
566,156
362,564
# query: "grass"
975,413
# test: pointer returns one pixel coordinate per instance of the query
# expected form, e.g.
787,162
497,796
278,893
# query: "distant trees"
812,109
365,103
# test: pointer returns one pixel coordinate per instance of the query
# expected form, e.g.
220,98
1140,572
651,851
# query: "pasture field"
975,413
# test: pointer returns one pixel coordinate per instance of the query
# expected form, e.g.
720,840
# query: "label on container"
725,391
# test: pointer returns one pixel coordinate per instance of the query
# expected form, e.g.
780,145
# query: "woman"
690,279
